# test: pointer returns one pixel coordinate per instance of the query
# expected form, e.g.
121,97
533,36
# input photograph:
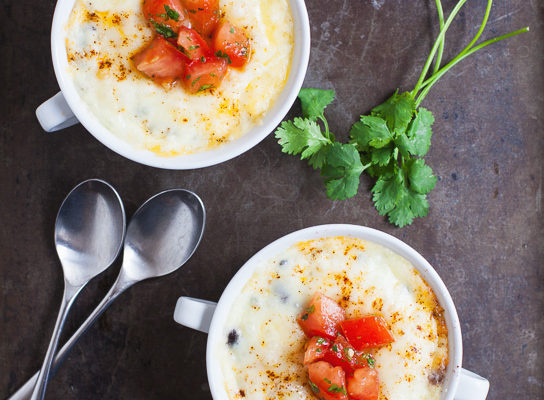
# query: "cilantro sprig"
389,143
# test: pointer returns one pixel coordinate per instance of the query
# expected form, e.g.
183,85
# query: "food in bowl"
264,347
133,97
191,44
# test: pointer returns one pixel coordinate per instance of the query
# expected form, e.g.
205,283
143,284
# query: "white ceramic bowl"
67,108
209,317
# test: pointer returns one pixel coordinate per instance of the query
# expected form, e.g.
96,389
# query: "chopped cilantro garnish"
337,389
219,53
320,340
231,29
327,381
172,14
191,48
163,30
309,310
314,387
370,361
203,59
195,81
205,87
334,348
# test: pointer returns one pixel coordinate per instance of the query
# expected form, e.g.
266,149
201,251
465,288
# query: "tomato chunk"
327,382
316,349
342,354
321,317
204,15
231,42
160,60
192,43
165,12
364,385
366,332
204,74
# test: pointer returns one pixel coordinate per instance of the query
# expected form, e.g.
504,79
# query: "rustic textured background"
484,233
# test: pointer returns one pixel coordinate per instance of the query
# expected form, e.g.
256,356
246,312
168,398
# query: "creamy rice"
102,36
262,355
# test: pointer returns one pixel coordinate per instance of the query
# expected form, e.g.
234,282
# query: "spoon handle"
68,297
121,284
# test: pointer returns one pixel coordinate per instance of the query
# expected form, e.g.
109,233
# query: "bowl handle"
194,313
55,114
471,386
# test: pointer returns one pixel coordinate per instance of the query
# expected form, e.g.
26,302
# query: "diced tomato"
364,385
321,317
327,382
342,354
231,41
192,43
316,349
204,15
161,61
166,12
204,74
366,332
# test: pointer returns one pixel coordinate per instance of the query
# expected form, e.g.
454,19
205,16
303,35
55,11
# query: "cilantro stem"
441,48
459,58
327,133
482,27
437,42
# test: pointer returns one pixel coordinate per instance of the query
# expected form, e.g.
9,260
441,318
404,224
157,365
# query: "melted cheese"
365,278
102,36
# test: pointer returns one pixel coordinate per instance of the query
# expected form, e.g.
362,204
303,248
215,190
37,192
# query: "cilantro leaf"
172,14
301,136
393,197
420,176
386,192
420,132
418,136
397,111
314,102
314,387
163,29
381,157
409,206
219,53
318,159
341,171
370,131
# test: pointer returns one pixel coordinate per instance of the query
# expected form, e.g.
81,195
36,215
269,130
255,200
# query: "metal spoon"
162,235
89,232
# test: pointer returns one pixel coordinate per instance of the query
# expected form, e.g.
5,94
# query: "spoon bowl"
163,234
89,230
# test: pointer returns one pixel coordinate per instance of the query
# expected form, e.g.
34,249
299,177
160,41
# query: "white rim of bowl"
225,152
431,277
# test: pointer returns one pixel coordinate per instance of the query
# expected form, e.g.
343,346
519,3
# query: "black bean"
232,337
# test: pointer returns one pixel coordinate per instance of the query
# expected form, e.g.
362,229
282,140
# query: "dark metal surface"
484,233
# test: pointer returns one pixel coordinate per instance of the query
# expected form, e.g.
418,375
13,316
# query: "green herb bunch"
389,143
